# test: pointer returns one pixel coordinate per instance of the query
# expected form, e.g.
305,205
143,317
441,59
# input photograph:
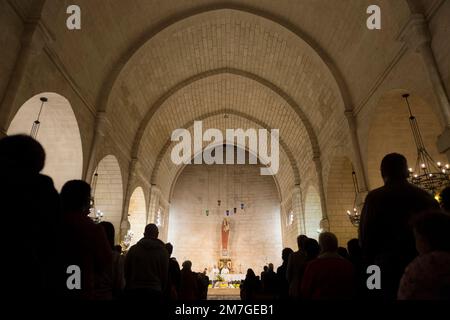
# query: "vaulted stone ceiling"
154,66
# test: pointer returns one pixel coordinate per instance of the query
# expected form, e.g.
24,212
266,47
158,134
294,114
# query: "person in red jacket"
330,276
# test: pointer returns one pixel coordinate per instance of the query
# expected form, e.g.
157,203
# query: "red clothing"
328,277
86,246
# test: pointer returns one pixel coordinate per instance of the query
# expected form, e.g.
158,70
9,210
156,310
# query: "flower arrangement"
220,278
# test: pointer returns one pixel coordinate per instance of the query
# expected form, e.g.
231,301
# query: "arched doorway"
108,191
58,133
313,213
137,215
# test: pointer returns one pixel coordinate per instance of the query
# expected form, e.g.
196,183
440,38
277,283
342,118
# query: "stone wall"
255,236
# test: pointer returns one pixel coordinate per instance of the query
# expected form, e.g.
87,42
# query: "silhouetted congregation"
403,232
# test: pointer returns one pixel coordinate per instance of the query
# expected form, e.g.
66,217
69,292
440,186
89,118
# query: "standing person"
330,276
29,200
203,283
214,273
85,243
250,287
270,282
385,233
356,258
283,284
189,283
147,267
111,283
295,263
174,274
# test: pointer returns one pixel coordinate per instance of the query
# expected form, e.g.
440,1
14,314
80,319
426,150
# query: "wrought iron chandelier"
354,214
427,174
37,122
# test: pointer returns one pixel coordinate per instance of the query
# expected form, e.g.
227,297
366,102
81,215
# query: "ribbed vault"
223,60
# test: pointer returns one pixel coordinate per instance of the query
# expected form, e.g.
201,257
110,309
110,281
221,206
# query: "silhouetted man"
295,265
283,284
386,236
330,276
29,201
174,274
147,267
85,242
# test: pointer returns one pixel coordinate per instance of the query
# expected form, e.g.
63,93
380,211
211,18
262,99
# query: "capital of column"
102,123
415,32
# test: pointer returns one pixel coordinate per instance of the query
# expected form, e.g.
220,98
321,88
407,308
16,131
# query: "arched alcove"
255,235
313,213
58,133
137,214
108,191
340,198
390,132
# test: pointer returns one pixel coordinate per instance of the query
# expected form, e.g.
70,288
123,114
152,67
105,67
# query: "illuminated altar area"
254,236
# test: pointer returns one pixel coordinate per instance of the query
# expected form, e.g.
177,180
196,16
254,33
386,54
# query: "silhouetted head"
76,197
343,252
21,152
301,241
286,253
312,248
445,199
394,167
109,231
265,268
187,265
328,242
270,266
251,273
432,232
354,250
151,231
169,248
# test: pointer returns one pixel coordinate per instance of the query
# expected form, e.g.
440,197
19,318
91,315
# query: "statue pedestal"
225,262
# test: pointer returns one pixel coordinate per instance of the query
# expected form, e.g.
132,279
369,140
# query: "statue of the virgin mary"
225,236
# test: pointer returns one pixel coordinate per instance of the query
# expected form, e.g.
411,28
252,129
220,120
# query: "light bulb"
439,164
422,165
410,169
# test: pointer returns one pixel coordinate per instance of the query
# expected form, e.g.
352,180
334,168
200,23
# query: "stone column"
323,204
417,37
155,194
125,223
297,209
358,163
34,37
102,124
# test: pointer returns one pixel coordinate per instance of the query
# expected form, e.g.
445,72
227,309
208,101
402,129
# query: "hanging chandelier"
37,123
354,214
427,174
